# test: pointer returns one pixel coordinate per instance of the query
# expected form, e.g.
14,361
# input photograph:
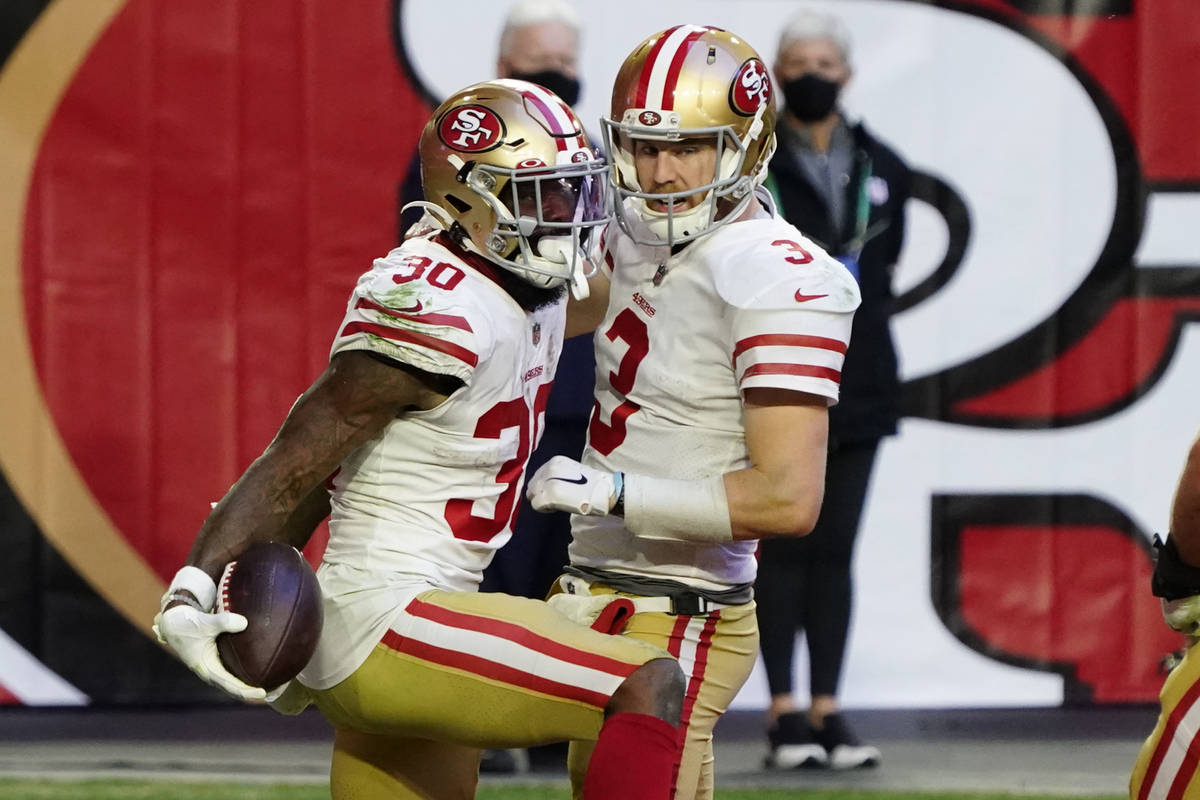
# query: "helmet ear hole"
459,204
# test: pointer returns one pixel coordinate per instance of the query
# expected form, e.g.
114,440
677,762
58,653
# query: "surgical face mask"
811,97
560,83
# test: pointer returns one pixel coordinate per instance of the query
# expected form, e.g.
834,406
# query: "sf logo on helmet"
471,129
751,88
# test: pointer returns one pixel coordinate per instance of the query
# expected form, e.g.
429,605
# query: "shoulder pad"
420,307
771,265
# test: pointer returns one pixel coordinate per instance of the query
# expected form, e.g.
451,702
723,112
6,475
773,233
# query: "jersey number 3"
628,327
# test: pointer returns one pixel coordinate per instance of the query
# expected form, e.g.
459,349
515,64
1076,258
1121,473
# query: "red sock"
634,759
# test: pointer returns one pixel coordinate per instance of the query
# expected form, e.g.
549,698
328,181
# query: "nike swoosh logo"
804,298
412,310
580,480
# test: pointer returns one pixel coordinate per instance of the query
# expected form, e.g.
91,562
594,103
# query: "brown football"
276,590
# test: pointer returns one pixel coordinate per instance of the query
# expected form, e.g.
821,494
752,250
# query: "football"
276,590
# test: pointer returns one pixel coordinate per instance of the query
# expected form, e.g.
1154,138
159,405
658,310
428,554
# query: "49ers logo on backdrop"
1050,382
471,129
1042,436
751,88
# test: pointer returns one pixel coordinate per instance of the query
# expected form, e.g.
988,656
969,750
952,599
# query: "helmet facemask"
726,194
543,218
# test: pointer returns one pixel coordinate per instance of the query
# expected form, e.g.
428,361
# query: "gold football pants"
463,671
1166,767
717,652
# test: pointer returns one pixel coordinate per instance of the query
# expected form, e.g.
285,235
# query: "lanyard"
862,211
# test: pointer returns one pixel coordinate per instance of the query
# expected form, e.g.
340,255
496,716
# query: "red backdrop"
218,172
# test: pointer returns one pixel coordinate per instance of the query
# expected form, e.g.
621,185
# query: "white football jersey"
427,503
751,304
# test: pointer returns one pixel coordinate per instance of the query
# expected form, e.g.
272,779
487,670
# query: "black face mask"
562,85
811,97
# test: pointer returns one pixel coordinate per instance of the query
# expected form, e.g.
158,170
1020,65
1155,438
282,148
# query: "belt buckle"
688,604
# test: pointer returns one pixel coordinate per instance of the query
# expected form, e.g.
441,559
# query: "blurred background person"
540,43
845,190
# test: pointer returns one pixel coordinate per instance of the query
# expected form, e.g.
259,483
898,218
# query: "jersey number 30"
463,522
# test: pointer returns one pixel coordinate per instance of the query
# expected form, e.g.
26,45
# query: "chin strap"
580,289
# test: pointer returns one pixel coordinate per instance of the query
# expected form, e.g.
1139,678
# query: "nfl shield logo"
537,332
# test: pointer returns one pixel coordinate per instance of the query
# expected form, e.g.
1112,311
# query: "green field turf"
179,790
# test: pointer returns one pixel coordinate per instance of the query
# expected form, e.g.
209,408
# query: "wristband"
182,597
194,580
1173,578
677,510
618,507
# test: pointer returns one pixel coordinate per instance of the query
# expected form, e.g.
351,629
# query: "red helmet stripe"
656,84
557,119
639,101
580,142
676,67
555,127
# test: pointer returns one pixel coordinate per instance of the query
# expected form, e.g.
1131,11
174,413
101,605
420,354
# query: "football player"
720,336
1168,766
417,435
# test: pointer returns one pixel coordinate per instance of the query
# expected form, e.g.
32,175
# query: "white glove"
1183,615
192,633
563,484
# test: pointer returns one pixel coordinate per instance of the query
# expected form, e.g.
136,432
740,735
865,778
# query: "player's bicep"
787,434
1185,509
364,388
350,403
786,438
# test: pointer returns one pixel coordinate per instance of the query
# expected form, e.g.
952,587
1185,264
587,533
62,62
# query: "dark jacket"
870,391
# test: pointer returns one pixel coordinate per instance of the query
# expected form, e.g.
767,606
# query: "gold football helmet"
686,82
509,170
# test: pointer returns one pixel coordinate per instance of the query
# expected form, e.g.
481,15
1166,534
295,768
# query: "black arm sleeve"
1172,578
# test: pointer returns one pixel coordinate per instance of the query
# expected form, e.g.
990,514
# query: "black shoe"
498,762
793,744
843,748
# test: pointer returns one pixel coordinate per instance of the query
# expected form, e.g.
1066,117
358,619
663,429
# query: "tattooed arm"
304,520
281,495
